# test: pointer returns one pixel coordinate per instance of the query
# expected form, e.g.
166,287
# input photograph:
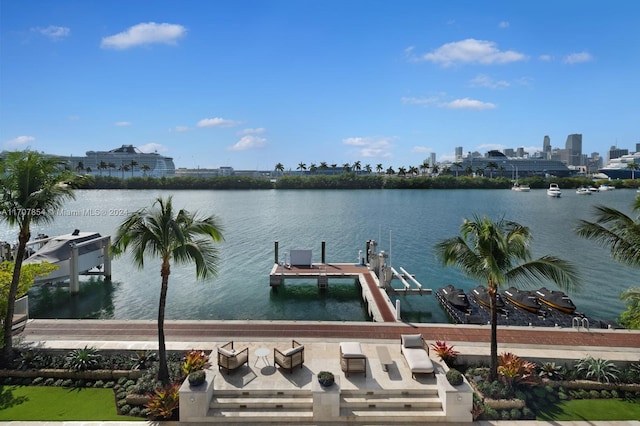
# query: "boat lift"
385,273
74,273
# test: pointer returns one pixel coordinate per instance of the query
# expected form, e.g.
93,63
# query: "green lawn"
592,409
57,404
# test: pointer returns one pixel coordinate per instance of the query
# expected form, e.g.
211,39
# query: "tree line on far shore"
341,181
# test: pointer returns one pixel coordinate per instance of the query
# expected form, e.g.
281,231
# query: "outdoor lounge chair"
289,358
352,359
230,359
416,352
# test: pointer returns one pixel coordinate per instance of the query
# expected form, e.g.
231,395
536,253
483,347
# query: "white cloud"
181,129
153,147
145,33
545,58
484,80
248,142
371,147
19,141
577,58
255,131
467,103
504,24
53,32
122,123
421,150
217,122
471,51
419,101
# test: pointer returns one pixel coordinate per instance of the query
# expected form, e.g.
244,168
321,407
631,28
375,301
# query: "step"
392,416
261,402
400,402
260,415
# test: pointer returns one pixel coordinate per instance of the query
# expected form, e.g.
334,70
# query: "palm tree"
111,166
313,168
498,253
102,166
302,167
33,188
435,169
367,168
145,168
633,167
133,165
457,165
402,171
631,317
357,166
180,237
468,170
413,170
346,167
424,166
323,165
80,166
491,165
379,168
123,168
279,168
616,230
390,171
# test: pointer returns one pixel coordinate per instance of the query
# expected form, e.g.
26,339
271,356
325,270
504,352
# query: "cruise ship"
516,167
125,162
618,168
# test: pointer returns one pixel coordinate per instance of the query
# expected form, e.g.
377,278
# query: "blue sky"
249,84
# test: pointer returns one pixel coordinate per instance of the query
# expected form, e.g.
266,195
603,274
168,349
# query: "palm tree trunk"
7,351
493,363
163,370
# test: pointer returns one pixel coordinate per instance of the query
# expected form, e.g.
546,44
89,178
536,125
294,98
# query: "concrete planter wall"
457,401
195,400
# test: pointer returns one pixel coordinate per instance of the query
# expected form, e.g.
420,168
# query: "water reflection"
94,301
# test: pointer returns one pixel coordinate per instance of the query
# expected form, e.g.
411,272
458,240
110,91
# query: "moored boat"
583,191
556,299
481,295
523,299
455,297
57,251
520,188
554,190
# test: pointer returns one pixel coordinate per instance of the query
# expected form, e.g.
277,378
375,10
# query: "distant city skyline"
253,83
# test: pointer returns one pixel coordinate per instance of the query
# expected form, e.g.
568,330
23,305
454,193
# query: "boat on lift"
524,299
57,251
455,297
481,295
556,299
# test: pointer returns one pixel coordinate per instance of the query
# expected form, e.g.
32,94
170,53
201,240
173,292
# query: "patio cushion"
418,360
412,340
292,351
351,350
227,352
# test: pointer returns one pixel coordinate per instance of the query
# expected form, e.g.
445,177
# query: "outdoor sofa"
230,359
352,359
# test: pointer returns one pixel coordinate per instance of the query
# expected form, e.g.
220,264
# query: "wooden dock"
374,295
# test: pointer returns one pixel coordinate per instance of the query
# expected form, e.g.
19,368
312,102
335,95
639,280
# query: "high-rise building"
638,147
574,149
509,152
616,152
520,152
433,158
546,147
458,153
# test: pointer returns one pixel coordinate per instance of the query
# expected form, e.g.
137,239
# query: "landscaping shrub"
597,369
490,413
193,361
447,354
164,403
142,360
528,414
505,415
198,377
552,371
83,359
594,394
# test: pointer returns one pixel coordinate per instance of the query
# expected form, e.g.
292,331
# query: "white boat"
554,190
594,189
605,187
57,251
520,188
583,191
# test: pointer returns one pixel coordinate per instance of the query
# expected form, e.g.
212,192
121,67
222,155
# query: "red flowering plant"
514,370
194,361
446,353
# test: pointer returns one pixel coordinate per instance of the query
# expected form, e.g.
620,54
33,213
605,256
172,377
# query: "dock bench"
384,357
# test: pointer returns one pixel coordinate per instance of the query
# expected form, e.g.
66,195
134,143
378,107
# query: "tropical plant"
143,360
326,378
598,369
446,353
491,251
83,359
180,237
34,187
29,359
514,370
164,402
194,361
552,371
621,234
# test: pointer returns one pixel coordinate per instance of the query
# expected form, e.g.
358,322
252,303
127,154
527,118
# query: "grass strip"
591,410
47,403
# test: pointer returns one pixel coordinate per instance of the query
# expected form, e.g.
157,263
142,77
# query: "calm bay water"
406,223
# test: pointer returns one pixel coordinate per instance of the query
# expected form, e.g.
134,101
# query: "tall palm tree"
346,167
424,166
379,168
323,165
457,165
181,237
357,166
302,167
498,253
145,168
367,168
633,167
133,164
102,166
492,165
279,168
33,188
616,230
